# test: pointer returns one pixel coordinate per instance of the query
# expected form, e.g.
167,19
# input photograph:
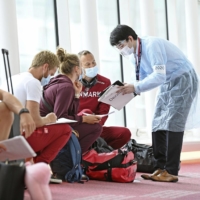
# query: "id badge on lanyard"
138,59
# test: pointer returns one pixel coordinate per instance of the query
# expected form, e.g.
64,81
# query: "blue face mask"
81,75
91,72
46,80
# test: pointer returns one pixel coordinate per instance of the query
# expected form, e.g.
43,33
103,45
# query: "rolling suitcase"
11,173
15,128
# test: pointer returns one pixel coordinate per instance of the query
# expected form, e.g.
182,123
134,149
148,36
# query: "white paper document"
116,100
104,115
63,120
16,148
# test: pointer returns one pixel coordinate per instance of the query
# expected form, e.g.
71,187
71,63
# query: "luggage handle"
7,71
15,127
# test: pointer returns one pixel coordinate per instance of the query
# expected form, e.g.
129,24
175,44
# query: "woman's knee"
98,129
95,131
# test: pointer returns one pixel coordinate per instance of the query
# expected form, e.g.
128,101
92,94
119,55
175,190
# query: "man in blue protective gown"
160,63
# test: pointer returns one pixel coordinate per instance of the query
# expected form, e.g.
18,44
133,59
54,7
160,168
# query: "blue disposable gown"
163,64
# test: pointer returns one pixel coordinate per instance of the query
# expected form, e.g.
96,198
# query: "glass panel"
160,18
109,57
130,14
199,15
177,25
75,25
180,15
36,29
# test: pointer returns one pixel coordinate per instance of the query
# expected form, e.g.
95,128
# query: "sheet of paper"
63,120
100,115
108,91
16,148
116,100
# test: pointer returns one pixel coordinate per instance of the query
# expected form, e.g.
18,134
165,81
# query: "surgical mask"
126,51
46,80
91,72
81,75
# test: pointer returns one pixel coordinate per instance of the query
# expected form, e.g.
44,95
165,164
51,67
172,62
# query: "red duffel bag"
117,166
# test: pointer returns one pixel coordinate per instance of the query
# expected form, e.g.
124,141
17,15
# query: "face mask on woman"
91,72
80,75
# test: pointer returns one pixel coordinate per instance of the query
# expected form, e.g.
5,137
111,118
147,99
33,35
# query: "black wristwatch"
23,110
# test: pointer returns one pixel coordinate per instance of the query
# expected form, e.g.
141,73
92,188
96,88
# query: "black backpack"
144,156
101,146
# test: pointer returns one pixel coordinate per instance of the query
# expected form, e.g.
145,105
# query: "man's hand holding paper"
118,95
126,89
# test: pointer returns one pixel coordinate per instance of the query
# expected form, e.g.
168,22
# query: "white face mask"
126,51
91,72
80,77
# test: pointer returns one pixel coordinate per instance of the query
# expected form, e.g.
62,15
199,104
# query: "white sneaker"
54,179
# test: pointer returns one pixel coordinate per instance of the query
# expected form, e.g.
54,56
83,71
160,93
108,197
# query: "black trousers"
167,147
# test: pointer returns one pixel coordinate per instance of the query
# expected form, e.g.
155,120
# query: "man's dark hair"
121,32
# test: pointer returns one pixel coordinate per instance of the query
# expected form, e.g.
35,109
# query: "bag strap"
7,70
48,106
76,159
105,164
133,143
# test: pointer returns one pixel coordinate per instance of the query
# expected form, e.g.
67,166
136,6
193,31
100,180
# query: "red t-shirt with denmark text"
89,98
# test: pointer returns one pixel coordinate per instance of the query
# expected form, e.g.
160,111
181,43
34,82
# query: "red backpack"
117,165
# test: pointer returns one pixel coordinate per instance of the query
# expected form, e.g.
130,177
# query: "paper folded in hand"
103,115
116,100
16,148
63,121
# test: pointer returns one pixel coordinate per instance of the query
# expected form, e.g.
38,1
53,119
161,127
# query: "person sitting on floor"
9,105
46,140
36,176
93,84
62,94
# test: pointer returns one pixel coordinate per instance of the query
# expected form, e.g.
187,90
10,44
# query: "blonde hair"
83,53
67,61
44,57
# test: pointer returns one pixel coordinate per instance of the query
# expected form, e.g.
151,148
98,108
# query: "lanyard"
137,63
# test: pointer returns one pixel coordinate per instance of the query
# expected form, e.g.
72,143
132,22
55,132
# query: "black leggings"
167,147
